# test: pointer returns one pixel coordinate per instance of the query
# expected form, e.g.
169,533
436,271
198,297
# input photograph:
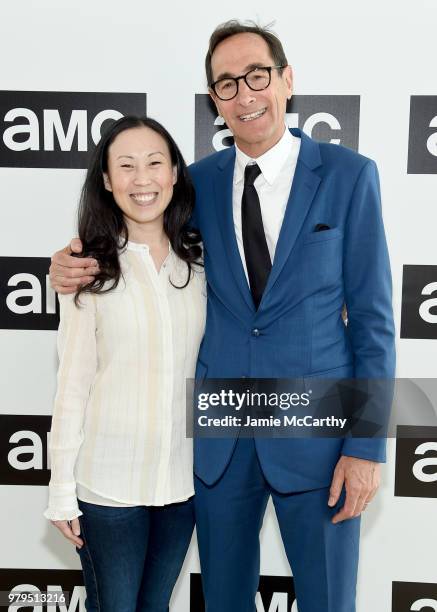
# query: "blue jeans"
131,557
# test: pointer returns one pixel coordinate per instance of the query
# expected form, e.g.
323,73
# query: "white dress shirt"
273,186
119,431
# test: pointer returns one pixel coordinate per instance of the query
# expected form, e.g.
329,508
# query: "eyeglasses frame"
244,76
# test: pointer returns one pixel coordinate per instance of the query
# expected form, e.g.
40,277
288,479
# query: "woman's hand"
70,530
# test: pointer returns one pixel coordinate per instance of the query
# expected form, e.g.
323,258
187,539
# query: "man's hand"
68,273
361,479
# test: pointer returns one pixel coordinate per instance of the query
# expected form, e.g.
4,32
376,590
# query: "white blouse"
119,421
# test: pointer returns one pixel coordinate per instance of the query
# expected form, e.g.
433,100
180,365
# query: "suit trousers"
229,515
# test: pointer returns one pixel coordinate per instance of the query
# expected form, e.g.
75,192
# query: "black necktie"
256,251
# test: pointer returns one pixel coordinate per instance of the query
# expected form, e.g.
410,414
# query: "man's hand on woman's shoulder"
67,272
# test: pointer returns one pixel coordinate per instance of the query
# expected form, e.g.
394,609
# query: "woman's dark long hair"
102,227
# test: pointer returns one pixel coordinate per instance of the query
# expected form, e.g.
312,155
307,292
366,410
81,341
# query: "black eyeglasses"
256,79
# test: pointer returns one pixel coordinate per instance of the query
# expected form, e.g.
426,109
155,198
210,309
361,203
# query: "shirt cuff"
63,504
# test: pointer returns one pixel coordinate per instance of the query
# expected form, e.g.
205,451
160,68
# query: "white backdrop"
380,51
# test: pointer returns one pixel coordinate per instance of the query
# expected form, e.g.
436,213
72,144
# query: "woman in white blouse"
122,479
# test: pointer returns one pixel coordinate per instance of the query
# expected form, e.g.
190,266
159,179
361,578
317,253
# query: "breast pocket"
321,257
323,236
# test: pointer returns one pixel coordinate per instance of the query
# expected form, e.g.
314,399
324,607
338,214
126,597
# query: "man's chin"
257,143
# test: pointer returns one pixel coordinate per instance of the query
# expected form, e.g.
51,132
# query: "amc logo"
44,129
35,581
275,594
334,119
419,302
26,299
24,458
416,462
422,146
414,597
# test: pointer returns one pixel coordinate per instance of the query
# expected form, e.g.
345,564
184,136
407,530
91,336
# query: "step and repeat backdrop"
365,78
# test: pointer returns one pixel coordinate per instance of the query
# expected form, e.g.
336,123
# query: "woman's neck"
148,233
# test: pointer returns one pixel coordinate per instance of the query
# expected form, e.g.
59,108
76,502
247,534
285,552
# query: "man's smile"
252,116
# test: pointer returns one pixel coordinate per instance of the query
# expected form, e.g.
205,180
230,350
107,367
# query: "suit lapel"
223,188
303,189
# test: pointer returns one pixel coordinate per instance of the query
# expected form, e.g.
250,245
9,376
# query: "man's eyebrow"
248,68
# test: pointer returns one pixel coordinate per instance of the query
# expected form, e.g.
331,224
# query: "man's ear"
107,182
214,99
288,76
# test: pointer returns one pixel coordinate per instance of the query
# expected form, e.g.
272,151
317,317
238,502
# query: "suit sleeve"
368,297
193,222
77,368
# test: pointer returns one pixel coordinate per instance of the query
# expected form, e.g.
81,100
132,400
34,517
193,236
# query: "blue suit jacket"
302,333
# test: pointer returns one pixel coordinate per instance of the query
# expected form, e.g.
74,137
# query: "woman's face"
140,176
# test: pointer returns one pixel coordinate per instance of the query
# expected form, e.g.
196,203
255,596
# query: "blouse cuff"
62,515
63,504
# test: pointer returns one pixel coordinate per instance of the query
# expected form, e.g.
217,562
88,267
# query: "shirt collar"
271,162
137,246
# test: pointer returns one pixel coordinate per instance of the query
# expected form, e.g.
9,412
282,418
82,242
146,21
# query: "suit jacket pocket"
323,236
325,383
321,260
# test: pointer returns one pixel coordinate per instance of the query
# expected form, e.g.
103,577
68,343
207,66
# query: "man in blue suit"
292,233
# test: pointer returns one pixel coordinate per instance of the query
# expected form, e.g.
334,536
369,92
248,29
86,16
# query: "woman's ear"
107,182
175,175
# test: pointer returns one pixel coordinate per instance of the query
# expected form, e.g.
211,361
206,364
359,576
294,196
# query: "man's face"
256,118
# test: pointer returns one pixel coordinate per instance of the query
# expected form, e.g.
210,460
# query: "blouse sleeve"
77,368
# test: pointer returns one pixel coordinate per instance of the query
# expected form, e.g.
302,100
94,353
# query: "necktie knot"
251,172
